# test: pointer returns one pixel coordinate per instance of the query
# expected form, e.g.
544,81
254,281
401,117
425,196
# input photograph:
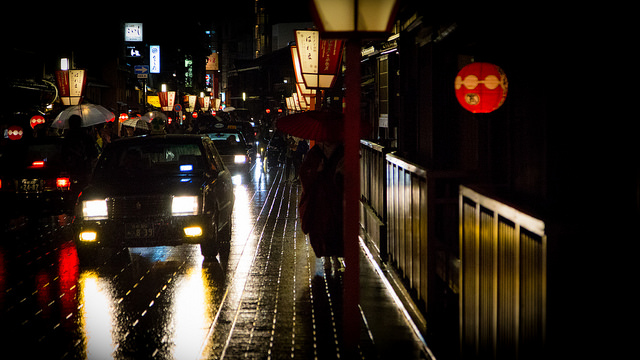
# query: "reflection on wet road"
158,302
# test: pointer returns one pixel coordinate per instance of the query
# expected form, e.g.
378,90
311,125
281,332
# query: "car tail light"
63,183
38,163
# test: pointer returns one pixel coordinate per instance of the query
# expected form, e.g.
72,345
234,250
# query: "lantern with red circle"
123,117
481,87
14,132
36,120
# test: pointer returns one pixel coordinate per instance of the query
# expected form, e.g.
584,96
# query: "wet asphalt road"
165,302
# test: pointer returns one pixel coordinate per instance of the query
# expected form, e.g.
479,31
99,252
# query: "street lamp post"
353,20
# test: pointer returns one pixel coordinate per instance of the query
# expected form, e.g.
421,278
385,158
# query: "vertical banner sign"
329,62
212,62
154,59
77,81
62,78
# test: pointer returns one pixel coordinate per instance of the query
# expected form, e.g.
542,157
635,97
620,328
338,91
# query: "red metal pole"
351,298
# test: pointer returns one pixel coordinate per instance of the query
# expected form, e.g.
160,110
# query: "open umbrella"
154,115
137,123
91,115
317,125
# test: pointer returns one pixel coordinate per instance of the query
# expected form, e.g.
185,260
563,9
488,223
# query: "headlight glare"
184,205
95,209
240,159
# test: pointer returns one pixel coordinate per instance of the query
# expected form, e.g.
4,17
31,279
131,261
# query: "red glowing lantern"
36,120
123,117
14,132
481,87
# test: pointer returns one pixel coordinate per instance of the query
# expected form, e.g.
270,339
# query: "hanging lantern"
301,88
36,120
71,84
14,132
481,87
319,59
167,100
190,102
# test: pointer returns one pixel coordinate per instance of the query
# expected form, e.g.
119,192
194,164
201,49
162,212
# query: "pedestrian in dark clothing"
288,165
321,213
79,150
301,150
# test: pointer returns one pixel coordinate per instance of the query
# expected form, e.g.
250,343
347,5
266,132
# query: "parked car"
34,178
233,148
156,190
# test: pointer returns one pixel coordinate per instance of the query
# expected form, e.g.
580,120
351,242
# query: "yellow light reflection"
242,215
191,314
97,317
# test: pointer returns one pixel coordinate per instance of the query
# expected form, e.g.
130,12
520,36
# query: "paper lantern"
14,132
71,84
167,100
36,120
319,59
481,87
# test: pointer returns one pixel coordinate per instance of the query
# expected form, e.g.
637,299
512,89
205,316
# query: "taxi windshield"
151,160
227,142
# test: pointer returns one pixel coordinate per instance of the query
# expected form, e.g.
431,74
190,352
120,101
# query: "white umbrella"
154,115
228,109
137,123
91,115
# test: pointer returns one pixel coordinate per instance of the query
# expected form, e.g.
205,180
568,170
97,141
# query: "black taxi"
154,191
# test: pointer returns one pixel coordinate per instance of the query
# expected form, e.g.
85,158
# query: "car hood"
167,185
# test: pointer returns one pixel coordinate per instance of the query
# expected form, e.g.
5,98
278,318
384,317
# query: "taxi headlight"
240,159
184,205
95,209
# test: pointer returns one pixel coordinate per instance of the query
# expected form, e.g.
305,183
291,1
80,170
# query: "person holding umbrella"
321,177
79,150
321,212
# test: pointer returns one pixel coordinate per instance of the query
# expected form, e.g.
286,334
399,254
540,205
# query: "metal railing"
373,188
448,240
410,215
503,255
408,222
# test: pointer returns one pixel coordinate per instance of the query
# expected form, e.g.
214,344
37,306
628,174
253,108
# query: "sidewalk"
285,303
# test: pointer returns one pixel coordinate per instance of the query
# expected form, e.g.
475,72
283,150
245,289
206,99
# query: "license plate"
138,231
29,185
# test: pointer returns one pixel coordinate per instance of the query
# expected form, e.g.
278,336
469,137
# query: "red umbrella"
317,125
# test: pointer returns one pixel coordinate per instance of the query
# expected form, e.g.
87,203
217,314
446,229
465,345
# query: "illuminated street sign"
154,59
133,32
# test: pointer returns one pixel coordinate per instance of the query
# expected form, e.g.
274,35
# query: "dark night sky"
49,26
